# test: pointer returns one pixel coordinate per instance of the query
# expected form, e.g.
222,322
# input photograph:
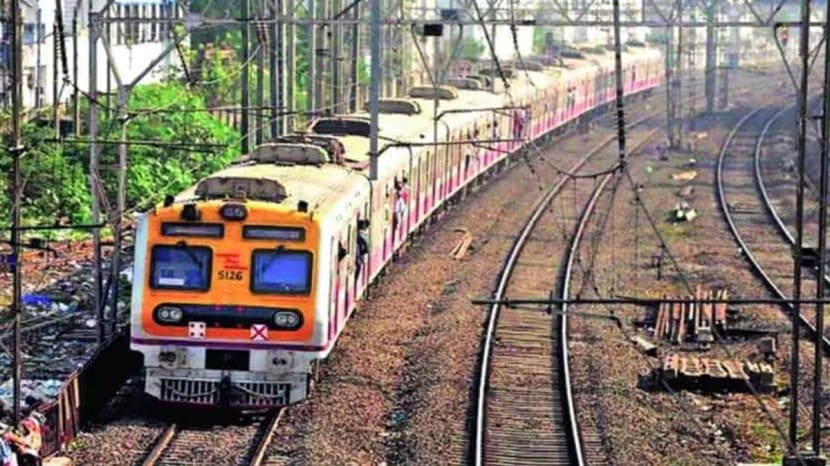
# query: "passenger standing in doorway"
362,246
401,202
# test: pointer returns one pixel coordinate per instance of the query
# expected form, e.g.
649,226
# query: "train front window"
281,271
180,267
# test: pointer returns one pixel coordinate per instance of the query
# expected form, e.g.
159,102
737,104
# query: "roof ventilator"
223,187
530,65
292,153
470,84
430,92
397,106
486,81
508,73
342,126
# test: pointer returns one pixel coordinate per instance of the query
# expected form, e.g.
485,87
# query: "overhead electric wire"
715,332
639,201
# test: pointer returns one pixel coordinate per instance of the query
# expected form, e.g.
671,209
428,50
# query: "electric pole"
16,151
246,78
354,72
262,41
290,64
374,88
711,58
95,24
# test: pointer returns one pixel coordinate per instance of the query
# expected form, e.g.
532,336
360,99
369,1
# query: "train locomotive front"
225,285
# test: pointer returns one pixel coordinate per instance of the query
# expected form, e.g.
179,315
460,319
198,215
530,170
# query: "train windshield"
281,272
181,267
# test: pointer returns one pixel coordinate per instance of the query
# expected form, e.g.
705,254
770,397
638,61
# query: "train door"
387,222
425,187
341,253
334,288
349,279
406,193
416,189
456,148
436,193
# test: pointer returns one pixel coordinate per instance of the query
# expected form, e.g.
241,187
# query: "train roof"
318,183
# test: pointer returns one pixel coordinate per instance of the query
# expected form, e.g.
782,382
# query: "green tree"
56,182
203,144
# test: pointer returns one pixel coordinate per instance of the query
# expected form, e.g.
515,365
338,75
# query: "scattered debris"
716,374
686,191
32,392
688,175
58,461
767,346
460,249
695,318
683,212
645,346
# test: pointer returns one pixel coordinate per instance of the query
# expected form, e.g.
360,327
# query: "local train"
244,281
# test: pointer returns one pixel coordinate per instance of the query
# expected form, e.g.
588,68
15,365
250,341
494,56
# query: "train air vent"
546,60
530,65
330,144
430,92
222,187
469,84
571,53
342,126
397,106
507,72
486,81
288,153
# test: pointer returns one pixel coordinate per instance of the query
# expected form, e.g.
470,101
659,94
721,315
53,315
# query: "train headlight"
172,358
167,357
287,320
234,212
169,314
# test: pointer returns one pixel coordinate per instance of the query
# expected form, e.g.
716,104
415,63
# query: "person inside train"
404,194
399,207
520,119
362,245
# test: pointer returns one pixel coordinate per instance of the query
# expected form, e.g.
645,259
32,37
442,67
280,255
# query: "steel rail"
165,439
504,278
162,442
779,223
262,446
727,214
564,361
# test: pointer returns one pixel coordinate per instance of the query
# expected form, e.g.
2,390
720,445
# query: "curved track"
744,211
525,411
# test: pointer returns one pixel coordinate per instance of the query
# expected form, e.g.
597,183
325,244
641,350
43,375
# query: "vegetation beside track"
55,173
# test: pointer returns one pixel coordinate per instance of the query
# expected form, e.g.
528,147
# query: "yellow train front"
225,285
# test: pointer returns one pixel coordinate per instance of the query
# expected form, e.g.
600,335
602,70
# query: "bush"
55,175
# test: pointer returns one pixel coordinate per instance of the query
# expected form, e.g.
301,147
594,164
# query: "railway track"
525,411
747,208
181,444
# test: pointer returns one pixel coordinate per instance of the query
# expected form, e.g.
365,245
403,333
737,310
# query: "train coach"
245,280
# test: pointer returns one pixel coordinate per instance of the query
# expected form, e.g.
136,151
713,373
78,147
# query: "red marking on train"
259,332
231,261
